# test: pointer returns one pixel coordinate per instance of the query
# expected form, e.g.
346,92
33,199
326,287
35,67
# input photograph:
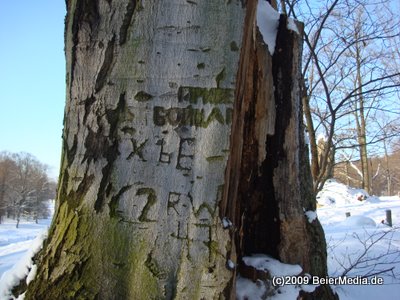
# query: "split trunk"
177,117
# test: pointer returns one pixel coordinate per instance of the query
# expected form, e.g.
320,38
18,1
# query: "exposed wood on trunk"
268,180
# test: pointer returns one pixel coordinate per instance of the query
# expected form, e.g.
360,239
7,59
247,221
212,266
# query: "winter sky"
32,78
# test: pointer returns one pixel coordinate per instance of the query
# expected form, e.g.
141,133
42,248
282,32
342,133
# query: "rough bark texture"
151,88
150,91
268,179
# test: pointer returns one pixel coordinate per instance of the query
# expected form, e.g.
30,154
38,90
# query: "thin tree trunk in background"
347,173
388,173
315,169
360,115
2,194
362,139
151,89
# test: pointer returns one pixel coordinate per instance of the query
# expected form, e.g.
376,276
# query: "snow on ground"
14,242
361,248
361,243
17,247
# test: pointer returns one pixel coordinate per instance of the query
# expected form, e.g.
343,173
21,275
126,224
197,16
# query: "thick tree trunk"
146,140
268,178
152,87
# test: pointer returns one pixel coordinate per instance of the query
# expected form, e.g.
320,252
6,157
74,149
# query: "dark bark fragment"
106,67
110,150
75,197
123,32
71,152
88,104
94,144
86,11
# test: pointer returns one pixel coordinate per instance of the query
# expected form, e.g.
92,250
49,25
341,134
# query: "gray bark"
149,103
151,89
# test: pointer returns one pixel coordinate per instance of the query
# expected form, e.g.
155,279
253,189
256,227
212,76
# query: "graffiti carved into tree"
172,124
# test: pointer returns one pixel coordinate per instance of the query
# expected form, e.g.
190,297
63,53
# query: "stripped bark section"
265,191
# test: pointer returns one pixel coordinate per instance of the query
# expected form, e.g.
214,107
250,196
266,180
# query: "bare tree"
376,253
24,185
6,167
43,190
345,75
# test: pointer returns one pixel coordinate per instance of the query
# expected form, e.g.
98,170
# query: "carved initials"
173,200
137,150
185,154
151,201
184,201
182,231
165,157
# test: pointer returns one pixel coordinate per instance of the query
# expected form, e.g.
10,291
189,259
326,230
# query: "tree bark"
151,88
315,169
268,177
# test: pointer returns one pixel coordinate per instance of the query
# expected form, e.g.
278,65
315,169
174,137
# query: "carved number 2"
151,200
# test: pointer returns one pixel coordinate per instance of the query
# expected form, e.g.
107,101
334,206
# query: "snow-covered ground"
14,242
362,249
359,245
17,247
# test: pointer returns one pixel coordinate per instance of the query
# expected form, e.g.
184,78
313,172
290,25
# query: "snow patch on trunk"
268,22
274,267
311,215
292,26
247,289
226,223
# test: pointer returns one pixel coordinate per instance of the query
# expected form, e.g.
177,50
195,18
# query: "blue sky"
32,78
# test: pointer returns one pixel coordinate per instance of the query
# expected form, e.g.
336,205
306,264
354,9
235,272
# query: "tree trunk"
151,88
362,141
268,177
315,169
388,172
360,115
